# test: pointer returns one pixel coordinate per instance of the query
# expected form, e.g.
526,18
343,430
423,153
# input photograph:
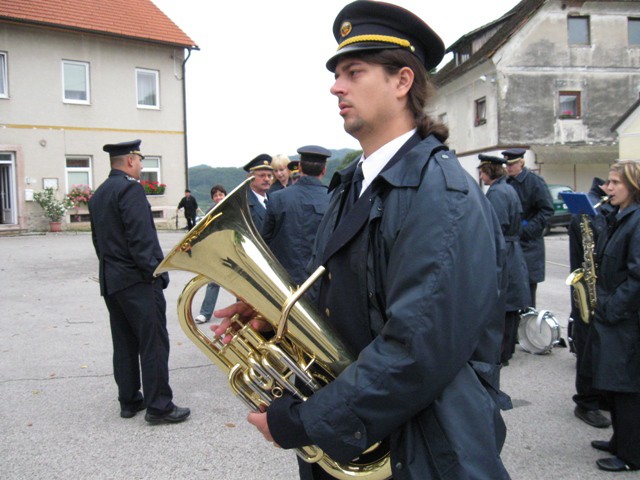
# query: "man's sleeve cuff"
285,425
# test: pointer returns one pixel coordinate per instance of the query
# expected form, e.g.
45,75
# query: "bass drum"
538,332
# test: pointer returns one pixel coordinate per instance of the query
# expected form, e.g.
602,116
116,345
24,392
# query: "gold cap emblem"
345,29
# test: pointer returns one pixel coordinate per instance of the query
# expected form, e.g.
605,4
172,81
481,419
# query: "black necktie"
356,182
354,190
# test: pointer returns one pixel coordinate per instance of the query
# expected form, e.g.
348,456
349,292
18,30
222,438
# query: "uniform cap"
369,25
513,154
294,166
261,162
488,159
124,148
314,153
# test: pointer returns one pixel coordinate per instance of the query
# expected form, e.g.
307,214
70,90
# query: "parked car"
561,215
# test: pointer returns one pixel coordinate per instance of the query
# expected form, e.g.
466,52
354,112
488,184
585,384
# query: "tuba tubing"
300,358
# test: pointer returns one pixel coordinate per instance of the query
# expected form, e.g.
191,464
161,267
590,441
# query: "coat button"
399,466
327,312
358,435
329,276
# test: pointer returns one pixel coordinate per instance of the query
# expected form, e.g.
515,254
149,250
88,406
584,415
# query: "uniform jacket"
277,186
506,203
258,212
429,273
537,209
190,205
615,336
291,224
124,234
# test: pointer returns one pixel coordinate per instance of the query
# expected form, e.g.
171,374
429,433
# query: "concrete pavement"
60,413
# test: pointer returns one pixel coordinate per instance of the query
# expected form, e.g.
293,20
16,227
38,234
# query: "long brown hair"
422,90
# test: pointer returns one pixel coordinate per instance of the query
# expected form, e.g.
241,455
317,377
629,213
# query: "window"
78,171
4,89
579,31
634,31
150,169
481,111
147,88
569,104
75,80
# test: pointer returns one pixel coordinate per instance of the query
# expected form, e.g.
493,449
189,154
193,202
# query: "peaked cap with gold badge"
370,25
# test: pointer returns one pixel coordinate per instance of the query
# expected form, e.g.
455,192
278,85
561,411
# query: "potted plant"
153,187
79,196
53,208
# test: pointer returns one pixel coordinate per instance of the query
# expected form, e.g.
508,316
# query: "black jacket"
506,203
428,378
615,335
124,234
537,209
291,224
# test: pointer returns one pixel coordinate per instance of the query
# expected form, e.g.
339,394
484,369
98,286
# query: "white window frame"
68,170
157,170
4,80
156,74
86,80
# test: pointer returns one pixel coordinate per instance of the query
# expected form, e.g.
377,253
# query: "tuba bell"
301,357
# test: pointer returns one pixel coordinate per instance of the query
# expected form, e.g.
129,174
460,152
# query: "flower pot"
55,226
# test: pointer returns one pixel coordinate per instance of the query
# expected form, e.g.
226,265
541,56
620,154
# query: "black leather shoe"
592,417
614,464
130,412
177,415
602,445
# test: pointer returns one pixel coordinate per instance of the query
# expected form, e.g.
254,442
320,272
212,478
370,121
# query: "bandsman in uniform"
262,171
506,203
537,209
126,242
294,213
404,228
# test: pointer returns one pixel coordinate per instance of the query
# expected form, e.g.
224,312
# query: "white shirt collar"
262,198
374,163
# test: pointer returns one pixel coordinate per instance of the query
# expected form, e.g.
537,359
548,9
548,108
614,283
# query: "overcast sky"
259,84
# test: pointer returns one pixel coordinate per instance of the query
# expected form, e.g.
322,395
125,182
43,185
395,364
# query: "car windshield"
556,189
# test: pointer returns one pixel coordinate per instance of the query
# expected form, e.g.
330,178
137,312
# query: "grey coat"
428,380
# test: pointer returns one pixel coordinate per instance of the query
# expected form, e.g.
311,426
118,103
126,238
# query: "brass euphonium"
301,357
583,280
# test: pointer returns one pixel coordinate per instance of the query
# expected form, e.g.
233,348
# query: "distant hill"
203,177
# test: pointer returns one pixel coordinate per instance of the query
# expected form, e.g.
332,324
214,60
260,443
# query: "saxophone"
583,280
302,356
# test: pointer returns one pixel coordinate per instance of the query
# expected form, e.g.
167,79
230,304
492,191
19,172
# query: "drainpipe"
184,109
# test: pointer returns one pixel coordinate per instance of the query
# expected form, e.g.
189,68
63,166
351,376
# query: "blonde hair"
280,161
629,172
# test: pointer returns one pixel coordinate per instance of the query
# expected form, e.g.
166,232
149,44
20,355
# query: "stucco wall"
47,129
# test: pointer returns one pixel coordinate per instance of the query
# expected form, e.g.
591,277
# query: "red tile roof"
139,19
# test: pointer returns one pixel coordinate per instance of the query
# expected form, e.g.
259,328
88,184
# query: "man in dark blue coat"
414,258
587,400
537,209
262,171
506,203
126,242
294,213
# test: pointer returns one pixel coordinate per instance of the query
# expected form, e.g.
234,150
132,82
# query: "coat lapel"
351,224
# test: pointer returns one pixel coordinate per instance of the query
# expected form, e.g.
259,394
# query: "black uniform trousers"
141,343
586,397
625,419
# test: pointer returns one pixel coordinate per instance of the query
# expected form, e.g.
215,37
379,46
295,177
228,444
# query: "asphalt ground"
60,416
